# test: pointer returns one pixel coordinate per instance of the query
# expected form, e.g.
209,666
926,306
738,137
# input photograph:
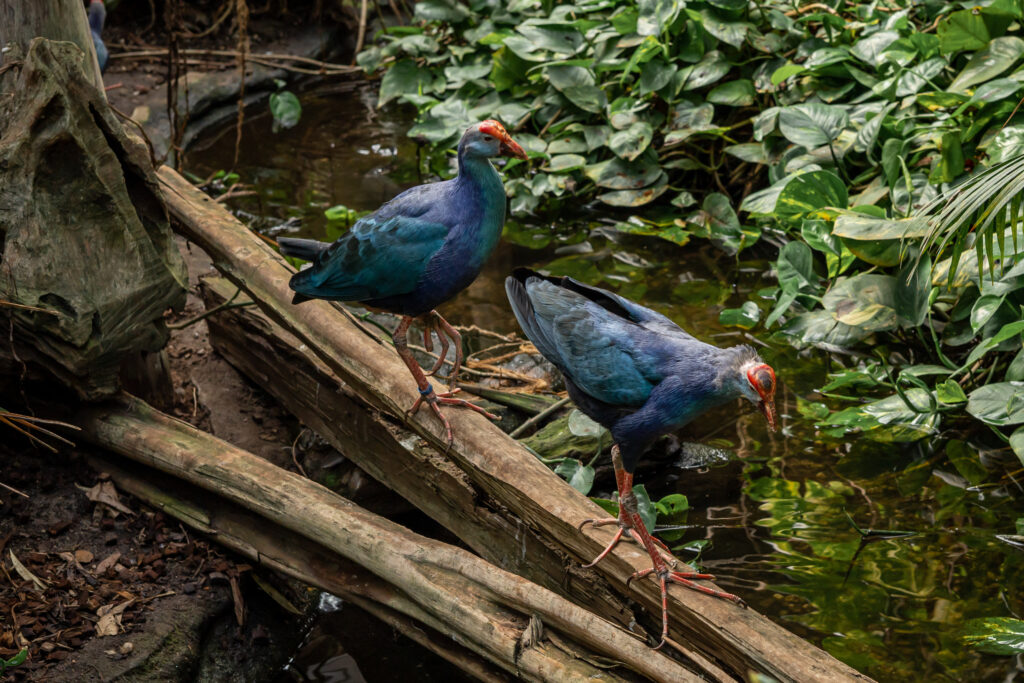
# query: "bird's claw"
623,534
687,579
436,400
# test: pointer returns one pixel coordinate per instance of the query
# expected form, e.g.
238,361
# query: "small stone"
126,648
188,588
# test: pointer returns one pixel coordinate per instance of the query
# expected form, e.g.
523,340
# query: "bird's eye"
488,138
762,378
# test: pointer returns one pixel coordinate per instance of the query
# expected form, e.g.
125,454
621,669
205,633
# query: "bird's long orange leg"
624,481
661,570
427,394
453,334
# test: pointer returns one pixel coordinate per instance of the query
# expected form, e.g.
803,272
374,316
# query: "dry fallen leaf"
83,556
104,492
110,618
25,573
108,562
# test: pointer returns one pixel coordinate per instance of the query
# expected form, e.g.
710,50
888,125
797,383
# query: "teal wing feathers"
379,257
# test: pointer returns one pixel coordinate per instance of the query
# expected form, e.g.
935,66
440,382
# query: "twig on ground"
539,417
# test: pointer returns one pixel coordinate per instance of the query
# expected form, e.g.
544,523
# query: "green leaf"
579,476
617,174
785,71
562,39
871,48
581,425
914,285
630,143
636,197
998,404
744,317
738,93
403,77
563,163
987,63
970,29
729,32
672,505
796,267
286,110
950,393
966,462
440,10
812,125
1017,444
655,16
578,85
951,163
867,301
811,191
710,69
857,226
984,308
648,513
995,635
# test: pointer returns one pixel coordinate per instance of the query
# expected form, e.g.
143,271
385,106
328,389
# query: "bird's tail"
526,314
307,250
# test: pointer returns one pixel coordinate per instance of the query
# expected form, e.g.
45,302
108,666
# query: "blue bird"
416,252
639,375
97,17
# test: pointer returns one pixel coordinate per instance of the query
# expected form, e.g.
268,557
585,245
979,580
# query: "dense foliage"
822,128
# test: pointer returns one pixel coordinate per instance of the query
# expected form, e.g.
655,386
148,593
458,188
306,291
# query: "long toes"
596,523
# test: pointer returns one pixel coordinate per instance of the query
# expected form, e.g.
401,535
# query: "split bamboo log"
486,608
741,639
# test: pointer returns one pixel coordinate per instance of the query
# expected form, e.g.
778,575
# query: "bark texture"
84,233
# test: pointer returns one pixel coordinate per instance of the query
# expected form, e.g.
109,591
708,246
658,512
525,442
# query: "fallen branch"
276,548
495,463
475,601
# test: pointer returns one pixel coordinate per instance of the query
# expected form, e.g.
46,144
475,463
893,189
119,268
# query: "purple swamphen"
639,375
416,252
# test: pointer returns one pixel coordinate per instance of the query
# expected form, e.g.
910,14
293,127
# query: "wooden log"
274,359
276,548
740,638
486,607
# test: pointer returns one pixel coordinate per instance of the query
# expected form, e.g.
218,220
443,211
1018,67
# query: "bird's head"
490,139
757,384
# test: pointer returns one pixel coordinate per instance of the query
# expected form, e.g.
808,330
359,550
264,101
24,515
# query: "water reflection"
778,520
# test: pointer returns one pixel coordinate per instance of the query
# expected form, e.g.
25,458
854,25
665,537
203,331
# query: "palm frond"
976,214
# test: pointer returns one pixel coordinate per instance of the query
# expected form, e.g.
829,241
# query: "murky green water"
779,528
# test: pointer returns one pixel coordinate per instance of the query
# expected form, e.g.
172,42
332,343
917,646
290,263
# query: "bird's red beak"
767,408
509,147
762,379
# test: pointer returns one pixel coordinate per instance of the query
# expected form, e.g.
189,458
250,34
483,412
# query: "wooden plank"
739,638
486,608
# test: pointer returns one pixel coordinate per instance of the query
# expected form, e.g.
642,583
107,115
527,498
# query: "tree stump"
84,234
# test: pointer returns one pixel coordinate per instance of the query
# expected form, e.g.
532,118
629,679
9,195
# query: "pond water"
780,525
